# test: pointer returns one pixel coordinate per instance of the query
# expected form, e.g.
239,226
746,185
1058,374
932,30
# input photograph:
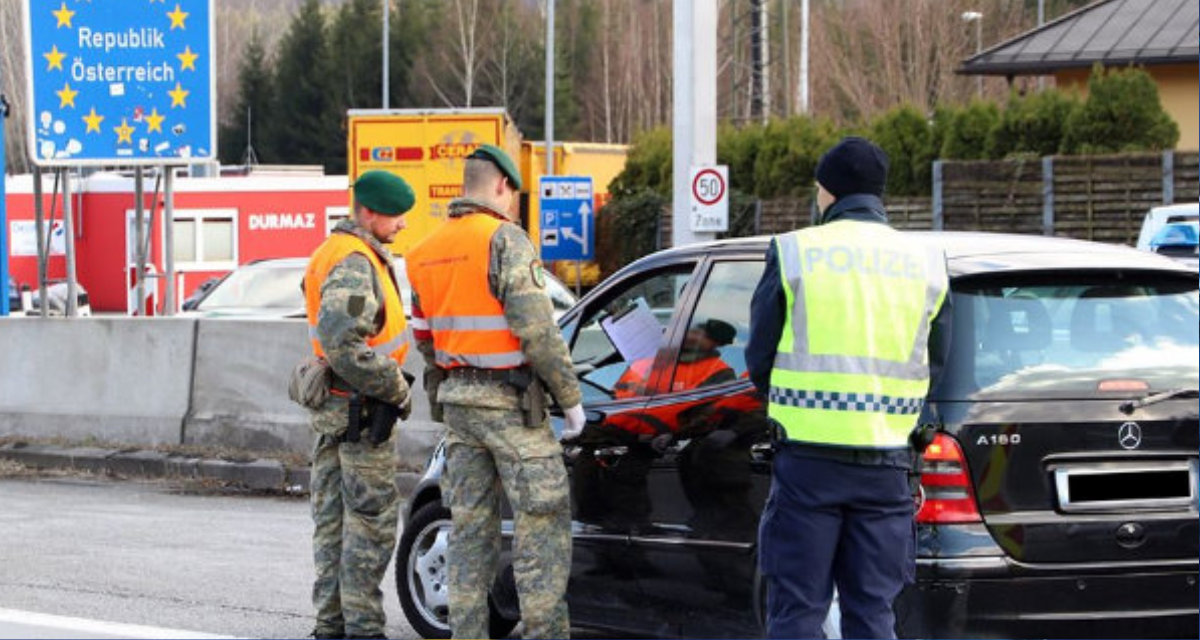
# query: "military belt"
518,377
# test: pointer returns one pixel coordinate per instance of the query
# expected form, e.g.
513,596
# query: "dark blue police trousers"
826,523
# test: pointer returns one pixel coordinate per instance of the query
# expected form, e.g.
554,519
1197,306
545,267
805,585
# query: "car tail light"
946,485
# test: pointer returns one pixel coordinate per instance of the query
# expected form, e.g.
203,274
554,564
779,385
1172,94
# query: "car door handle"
761,453
605,453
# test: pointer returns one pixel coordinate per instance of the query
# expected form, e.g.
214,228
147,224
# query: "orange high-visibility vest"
690,375
449,274
390,340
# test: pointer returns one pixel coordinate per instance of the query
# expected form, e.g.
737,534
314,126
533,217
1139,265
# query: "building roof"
1111,32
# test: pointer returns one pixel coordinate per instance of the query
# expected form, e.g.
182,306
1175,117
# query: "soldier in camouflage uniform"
483,322
357,324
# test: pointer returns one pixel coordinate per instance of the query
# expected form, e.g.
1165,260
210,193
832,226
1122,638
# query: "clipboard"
635,332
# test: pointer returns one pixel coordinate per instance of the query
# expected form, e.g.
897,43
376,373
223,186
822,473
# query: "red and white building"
219,223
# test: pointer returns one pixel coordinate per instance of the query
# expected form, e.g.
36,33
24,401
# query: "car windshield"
258,287
1063,339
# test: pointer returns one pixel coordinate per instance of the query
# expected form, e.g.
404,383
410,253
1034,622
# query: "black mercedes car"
1058,499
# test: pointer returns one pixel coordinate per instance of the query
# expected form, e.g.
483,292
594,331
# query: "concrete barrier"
239,388
239,391
215,382
123,380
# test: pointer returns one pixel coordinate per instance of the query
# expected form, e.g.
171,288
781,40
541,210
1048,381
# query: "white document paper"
635,332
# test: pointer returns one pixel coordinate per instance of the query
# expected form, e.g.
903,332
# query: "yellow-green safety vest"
852,366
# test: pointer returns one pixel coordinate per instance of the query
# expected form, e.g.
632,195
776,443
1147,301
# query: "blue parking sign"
118,82
567,217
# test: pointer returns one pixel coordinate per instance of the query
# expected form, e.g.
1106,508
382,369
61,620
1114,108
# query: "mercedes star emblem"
1130,435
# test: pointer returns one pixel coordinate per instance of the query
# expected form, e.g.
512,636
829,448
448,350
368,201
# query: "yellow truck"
428,147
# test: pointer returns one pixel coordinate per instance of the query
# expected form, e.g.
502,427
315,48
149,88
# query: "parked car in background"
1059,497
271,289
262,289
1158,217
1179,241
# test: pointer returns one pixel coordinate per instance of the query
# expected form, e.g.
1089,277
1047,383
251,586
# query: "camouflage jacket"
515,278
351,311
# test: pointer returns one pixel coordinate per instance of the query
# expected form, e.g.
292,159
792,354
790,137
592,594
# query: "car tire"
422,576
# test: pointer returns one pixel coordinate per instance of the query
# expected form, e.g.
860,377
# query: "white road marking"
98,627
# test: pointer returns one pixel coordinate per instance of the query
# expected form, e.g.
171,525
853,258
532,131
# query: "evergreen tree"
246,127
1122,113
307,127
968,131
1032,124
906,136
408,35
356,50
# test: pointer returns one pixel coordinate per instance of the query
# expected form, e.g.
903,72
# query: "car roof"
1176,209
973,252
278,263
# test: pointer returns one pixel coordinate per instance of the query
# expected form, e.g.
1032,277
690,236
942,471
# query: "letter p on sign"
710,198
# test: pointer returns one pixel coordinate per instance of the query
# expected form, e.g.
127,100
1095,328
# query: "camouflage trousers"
355,508
490,449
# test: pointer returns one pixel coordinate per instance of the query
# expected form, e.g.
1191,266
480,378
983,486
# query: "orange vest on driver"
390,341
449,273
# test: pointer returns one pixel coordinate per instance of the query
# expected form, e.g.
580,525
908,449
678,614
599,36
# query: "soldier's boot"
327,634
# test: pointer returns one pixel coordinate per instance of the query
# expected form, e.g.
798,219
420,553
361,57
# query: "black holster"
374,416
533,403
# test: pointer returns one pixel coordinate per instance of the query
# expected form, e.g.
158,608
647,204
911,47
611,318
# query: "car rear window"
1060,338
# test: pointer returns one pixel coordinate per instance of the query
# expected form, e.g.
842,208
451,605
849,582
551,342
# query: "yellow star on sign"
64,16
187,59
54,58
124,132
177,17
93,121
178,96
66,96
154,121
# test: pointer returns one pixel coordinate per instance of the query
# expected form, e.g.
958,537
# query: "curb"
259,474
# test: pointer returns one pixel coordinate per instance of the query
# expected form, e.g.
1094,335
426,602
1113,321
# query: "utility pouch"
309,383
356,419
383,417
433,379
533,403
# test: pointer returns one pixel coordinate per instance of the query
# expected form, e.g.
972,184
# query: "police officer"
483,322
357,324
840,344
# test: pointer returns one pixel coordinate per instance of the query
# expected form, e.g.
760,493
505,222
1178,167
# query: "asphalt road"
146,554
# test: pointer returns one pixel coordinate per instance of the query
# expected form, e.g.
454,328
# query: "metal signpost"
119,83
567,219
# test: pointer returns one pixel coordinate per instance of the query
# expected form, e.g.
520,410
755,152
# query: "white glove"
574,422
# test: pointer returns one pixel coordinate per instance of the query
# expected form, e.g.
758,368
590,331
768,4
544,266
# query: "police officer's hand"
574,422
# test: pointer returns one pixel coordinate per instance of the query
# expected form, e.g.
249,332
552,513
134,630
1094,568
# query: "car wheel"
422,576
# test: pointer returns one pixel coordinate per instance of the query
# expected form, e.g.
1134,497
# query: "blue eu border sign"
120,82
567,219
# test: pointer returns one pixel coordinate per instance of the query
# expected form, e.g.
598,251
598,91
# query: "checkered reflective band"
843,401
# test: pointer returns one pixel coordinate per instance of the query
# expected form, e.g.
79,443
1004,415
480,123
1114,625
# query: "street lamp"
977,18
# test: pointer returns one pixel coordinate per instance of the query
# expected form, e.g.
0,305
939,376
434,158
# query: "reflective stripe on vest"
449,274
852,365
390,341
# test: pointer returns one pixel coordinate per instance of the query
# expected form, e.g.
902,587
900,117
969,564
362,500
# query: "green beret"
496,156
384,192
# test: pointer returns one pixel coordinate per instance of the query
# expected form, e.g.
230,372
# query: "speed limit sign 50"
710,198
